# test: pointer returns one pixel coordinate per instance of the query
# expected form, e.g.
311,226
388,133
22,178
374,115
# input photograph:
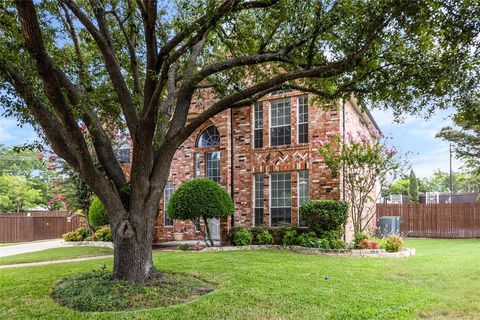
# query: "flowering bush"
365,160
368,244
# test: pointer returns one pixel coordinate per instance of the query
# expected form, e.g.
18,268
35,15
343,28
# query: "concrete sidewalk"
41,263
29,247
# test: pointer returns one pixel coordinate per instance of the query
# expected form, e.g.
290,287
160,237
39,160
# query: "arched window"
209,137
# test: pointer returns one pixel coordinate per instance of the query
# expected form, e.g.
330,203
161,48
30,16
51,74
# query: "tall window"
303,192
258,125
258,201
303,119
123,153
196,165
280,122
209,137
280,197
213,165
167,194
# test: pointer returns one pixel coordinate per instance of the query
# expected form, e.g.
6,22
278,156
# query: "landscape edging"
104,244
379,253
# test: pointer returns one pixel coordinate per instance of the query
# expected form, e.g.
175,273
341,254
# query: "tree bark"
133,250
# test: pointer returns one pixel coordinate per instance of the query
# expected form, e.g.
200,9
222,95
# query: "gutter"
232,169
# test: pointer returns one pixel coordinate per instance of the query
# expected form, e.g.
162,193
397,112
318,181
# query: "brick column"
225,230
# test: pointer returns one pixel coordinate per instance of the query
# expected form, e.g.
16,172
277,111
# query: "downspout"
343,165
232,177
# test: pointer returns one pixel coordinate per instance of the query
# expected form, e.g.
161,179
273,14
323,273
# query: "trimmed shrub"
324,215
200,199
309,240
71,236
240,236
338,244
368,244
264,237
104,234
358,238
80,234
324,243
290,238
393,244
97,214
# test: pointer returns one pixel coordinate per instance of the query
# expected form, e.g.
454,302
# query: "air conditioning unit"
389,225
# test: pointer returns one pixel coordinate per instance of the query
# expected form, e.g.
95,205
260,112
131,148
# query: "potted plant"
178,236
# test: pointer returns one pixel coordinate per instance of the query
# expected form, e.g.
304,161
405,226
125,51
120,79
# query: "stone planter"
177,236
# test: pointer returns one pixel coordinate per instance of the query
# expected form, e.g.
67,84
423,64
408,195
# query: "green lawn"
56,254
441,282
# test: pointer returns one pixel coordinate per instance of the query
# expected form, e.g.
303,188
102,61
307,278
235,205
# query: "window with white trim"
280,197
280,122
303,192
303,119
196,165
212,160
258,125
167,194
258,198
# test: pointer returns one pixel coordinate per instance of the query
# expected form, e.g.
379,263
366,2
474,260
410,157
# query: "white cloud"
12,134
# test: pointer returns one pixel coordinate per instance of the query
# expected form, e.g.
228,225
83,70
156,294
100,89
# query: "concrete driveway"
29,247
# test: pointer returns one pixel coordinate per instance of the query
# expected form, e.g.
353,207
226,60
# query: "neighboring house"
265,156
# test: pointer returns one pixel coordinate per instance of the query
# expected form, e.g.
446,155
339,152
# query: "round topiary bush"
324,215
200,199
97,213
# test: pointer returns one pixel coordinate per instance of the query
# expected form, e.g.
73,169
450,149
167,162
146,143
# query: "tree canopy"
80,70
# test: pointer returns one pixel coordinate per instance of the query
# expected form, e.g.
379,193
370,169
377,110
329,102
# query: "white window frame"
254,198
270,196
253,124
298,191
270,122
165,205
298,119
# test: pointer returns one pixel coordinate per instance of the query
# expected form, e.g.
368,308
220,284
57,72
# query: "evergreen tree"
413,187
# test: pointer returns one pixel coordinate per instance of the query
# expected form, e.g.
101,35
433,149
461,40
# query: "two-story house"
265,156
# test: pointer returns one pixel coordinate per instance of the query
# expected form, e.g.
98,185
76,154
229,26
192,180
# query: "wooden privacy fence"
20,228
458,220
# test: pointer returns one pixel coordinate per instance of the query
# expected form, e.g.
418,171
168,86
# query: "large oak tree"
137,65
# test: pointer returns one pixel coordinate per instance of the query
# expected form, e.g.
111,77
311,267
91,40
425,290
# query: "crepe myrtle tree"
366,166
137,65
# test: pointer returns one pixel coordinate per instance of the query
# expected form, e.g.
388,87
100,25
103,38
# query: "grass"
82,292
441,282
56,254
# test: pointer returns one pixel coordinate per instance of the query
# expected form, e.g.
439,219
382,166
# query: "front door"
214,225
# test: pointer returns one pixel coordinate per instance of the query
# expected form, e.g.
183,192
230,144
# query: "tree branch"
113,68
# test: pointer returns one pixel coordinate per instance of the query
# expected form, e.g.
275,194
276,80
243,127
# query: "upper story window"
258,125
123,153
212,170
303,119
280,122
209,137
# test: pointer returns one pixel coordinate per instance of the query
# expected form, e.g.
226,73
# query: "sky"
414,134
417,135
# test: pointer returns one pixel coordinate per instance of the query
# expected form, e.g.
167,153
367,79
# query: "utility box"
389,225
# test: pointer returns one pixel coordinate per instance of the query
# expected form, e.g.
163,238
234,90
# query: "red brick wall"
248,161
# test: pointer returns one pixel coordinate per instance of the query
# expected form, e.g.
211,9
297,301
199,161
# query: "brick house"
265,156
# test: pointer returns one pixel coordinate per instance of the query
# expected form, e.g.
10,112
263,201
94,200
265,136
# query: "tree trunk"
207,230
133,249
